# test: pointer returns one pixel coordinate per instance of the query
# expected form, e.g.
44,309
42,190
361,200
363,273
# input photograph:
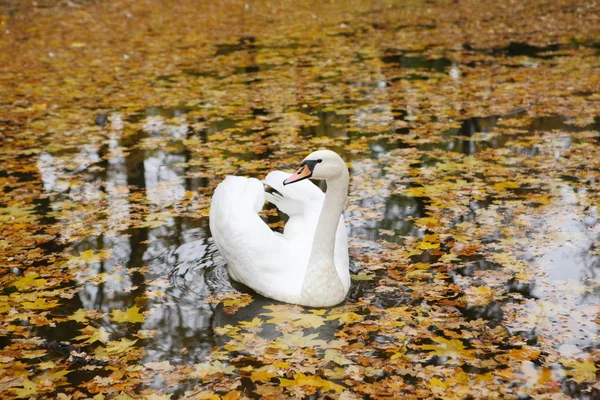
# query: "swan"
308,264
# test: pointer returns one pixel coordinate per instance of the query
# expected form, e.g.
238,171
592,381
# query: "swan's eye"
319,160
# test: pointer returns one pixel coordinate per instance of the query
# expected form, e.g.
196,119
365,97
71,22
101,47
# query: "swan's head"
320,164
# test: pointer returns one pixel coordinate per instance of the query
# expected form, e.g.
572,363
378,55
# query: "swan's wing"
254,253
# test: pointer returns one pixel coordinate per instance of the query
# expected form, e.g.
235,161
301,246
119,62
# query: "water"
473,228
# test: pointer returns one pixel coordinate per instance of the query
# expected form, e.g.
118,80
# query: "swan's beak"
302,173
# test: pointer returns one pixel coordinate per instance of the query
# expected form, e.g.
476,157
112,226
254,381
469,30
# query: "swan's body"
308,263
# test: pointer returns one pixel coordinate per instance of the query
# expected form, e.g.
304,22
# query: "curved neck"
321,266
333,206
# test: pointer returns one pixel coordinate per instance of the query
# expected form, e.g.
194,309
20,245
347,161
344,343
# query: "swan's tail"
234,198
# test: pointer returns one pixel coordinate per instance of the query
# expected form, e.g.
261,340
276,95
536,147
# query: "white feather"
271,263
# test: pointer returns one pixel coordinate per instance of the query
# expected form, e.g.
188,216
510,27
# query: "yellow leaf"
132,314
448,348
216,367
297,339
115,347
346,317
79,316
160,366
312,381
525,354
436,383
429,222
262,374
252,324
295,315
46,365
4,306
582,371
29,280
155,396
29,389
501,186
479,296
427,245
41,304
416,192
88,257
92,334
337,357
233,395
362,276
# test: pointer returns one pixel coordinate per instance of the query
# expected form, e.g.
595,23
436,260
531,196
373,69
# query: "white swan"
308,263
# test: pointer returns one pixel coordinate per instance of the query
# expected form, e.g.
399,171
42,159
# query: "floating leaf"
132,315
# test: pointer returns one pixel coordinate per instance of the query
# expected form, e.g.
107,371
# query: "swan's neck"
322,280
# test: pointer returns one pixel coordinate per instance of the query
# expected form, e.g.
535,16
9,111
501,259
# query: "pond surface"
473,213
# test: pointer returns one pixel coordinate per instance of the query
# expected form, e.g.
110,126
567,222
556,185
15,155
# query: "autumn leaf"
88,257
92,334
41,303
501,186
581,370
452,348
294,315
17,214
215,368
298,339
479,296
79,316
132,315
362,276
263,374
159,366
337,357
115,347
345,317
29,389
312,381
28,281
427,245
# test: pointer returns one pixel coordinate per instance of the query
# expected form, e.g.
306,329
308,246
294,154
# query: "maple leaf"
17,214
479,296
294,315
41,303
216,367
79,315
92,334
29,389
345,317
427,245
337,357
581,370
155,396
28,281
453,348
256,322
297,339
132,315
362,276
124,396
312,381
160,366
115,347
263,374
88,257
501,186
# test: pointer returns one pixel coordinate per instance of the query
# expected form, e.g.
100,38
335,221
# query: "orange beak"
302,173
